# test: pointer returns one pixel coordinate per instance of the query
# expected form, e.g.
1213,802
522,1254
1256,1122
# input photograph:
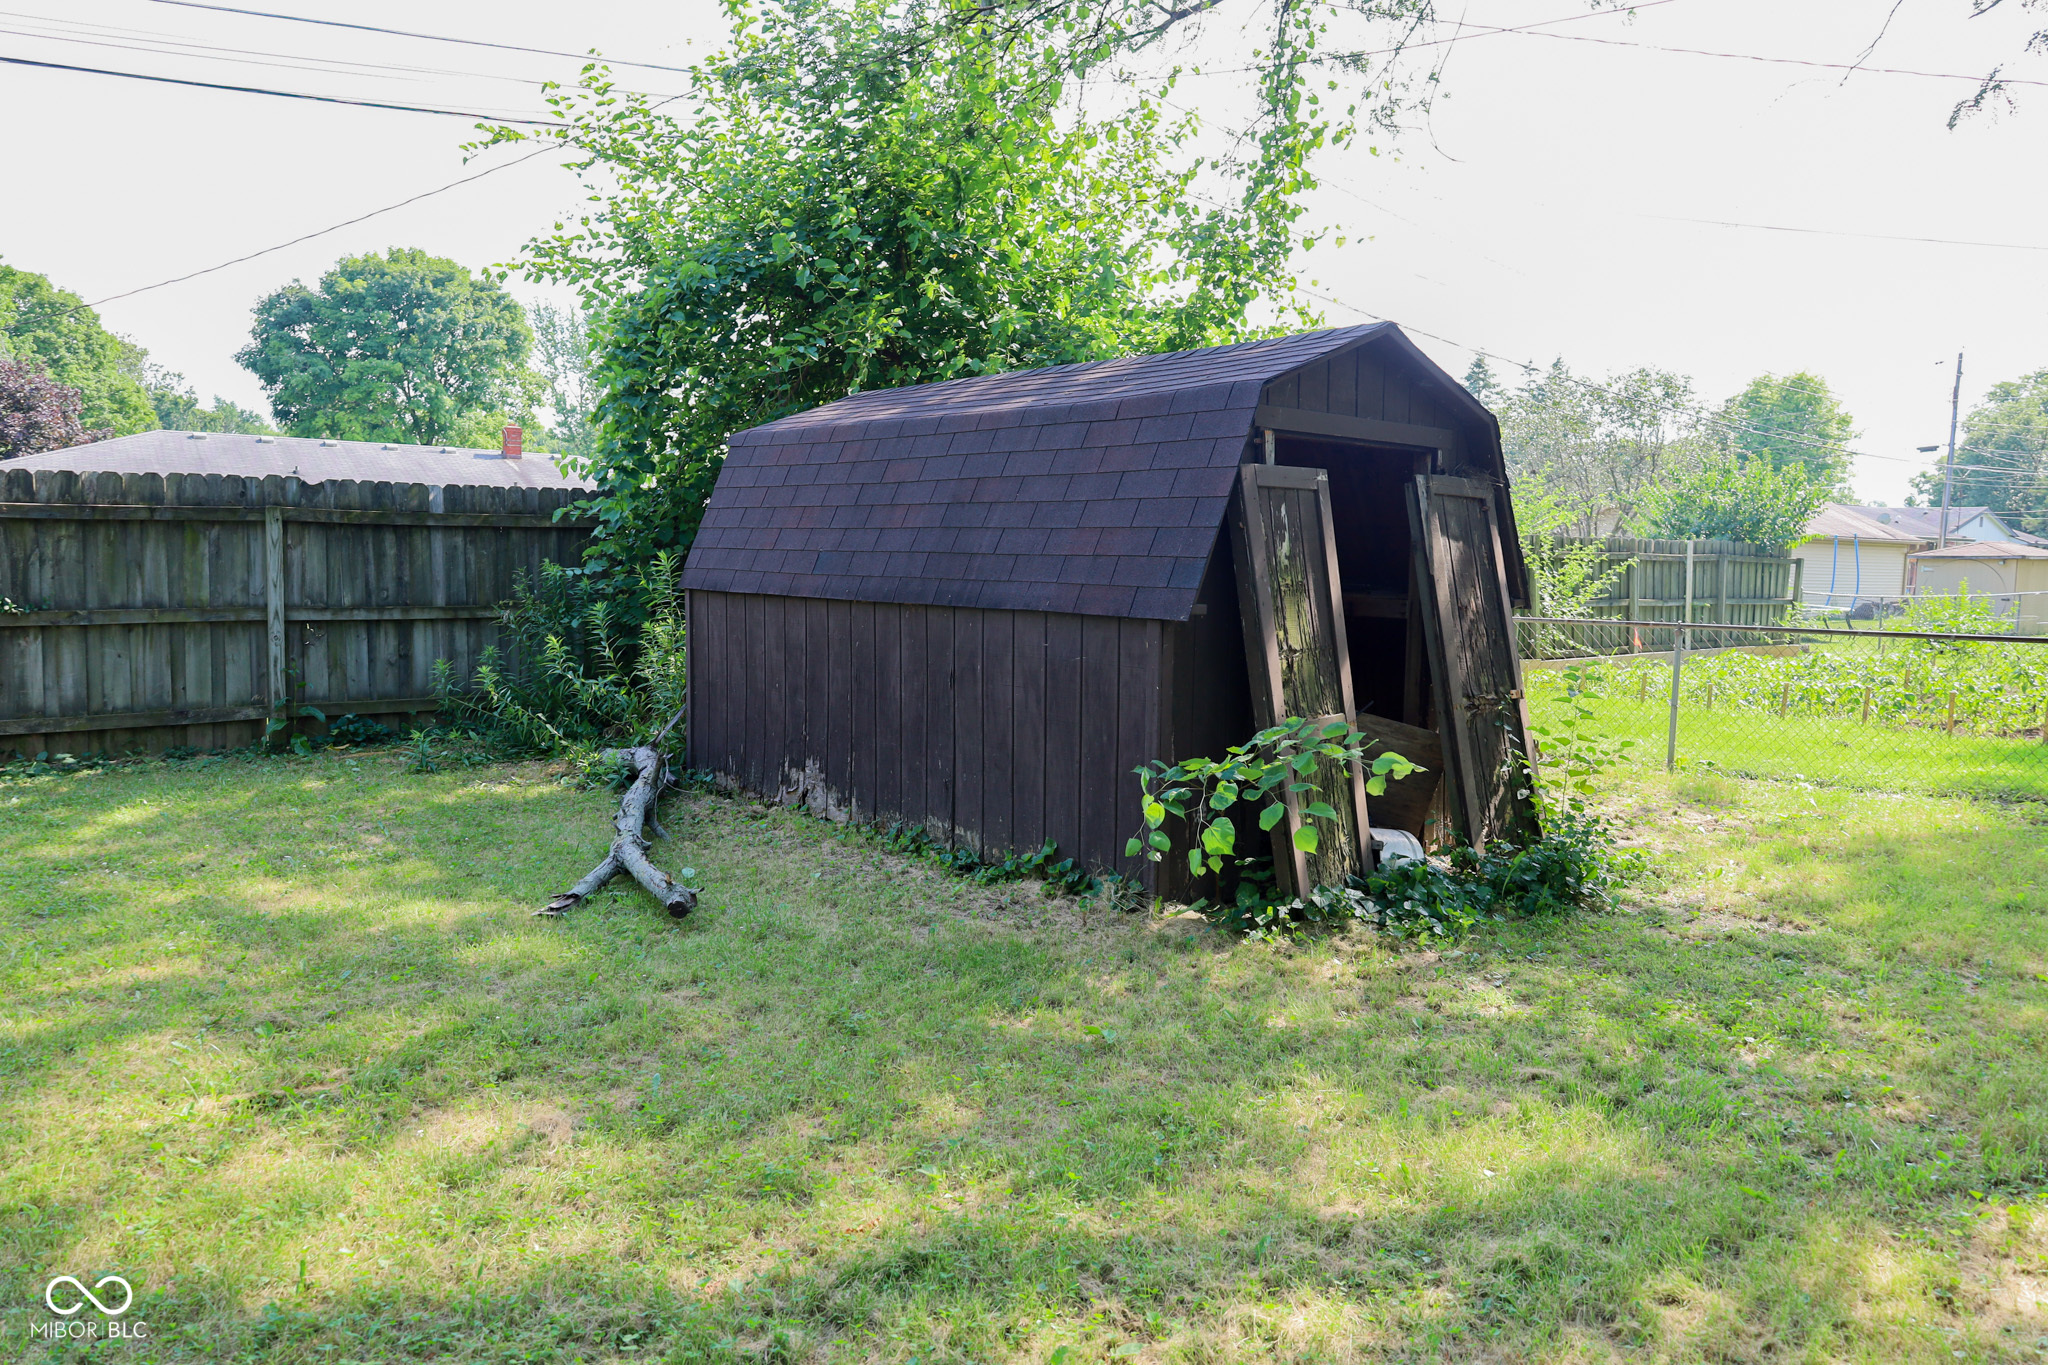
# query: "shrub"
579,671
1576,861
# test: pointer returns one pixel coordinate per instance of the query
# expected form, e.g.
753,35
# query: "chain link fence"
1879,709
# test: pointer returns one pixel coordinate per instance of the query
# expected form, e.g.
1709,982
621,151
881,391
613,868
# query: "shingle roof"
1985,549
1096,488
1925,522
180,452
1840,521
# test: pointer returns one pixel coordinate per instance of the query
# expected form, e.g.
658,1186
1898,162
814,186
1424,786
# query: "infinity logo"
50,1296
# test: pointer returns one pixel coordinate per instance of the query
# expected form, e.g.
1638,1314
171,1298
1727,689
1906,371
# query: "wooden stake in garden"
629,846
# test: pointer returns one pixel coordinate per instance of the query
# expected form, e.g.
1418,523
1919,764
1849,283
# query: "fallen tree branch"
628,852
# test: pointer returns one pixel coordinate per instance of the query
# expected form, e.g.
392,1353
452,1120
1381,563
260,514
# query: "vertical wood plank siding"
63,670
1734,582
1361,383
1006,729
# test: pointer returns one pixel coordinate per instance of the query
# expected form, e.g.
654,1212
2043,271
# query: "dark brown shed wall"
997,729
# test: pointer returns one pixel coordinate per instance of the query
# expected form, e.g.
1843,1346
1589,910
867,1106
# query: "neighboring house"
309,460
1854,556
1964,523
2013,575
1859,556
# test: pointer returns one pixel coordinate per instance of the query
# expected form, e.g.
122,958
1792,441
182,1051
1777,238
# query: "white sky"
1534,218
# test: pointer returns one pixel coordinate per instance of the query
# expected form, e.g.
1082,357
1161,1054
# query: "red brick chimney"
514,440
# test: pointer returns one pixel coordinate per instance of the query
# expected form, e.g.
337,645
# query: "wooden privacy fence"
1732,582
141,611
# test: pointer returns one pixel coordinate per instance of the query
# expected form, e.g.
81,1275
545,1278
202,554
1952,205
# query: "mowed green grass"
1836,750
281,1043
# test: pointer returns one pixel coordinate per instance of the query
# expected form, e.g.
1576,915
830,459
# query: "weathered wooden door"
1473,657
1292,604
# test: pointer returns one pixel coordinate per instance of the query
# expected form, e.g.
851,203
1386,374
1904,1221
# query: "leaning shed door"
1292,604
1472,651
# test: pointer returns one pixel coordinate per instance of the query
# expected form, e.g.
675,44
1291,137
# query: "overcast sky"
1553,207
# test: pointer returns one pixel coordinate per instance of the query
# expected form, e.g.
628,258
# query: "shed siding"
1366,381
996,730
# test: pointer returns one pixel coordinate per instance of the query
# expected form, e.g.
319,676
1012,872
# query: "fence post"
273,591
1678,643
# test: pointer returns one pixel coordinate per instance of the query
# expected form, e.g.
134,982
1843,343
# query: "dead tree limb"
628,852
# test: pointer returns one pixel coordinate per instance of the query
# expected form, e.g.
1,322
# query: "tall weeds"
573,668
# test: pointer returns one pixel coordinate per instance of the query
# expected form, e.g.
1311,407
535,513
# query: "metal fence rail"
1879,709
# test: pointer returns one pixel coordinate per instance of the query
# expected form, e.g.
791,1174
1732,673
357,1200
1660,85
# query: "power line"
426,37
1836,232
1697,414
283,94
1486,32
305,237
171,45
1753,57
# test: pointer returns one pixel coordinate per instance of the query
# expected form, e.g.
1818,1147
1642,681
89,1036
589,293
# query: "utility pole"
1948,469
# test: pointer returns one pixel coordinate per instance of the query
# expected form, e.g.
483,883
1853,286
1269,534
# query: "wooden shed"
979,605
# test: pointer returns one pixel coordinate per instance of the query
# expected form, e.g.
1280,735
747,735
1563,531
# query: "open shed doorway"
1391,679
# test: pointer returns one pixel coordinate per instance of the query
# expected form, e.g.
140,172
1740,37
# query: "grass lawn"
1835,750
281,1044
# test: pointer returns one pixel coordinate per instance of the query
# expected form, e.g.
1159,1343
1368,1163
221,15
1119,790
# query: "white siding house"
1854,555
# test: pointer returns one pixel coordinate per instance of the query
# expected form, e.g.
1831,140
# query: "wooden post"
273,591
1951,711
1866,703
1784,700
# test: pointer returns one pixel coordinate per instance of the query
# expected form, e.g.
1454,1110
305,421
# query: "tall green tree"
1731,498
1788,420
393,346
178,409
1600,445
53,328
564,347
1482,383
2002,458
890,192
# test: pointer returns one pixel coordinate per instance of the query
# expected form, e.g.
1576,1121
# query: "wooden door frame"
1466,794
1262,645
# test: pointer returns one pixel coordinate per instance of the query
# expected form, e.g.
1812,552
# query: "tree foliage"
177,407
53,328
2002,460
1791,420
1600,446
564,341
867,194
394,346
1731,498
37,413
